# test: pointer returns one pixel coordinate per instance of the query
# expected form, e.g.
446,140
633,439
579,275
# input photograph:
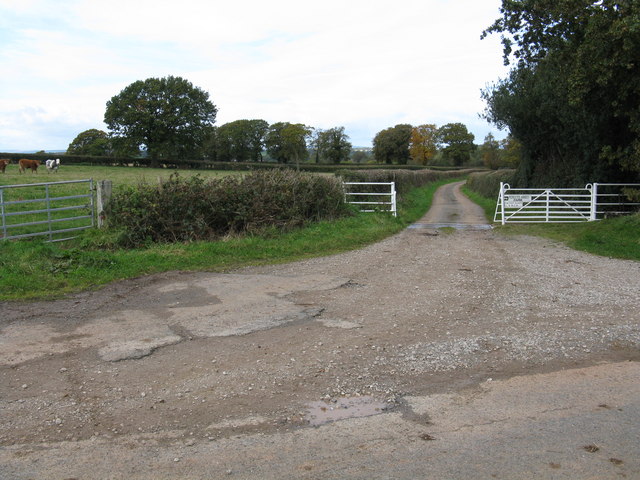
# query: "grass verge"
34,269
614,237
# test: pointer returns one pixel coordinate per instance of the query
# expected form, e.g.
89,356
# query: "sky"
365,65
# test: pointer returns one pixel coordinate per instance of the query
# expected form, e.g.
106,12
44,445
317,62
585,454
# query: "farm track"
438,354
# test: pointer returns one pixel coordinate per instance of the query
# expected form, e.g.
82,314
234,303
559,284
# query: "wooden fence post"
103,195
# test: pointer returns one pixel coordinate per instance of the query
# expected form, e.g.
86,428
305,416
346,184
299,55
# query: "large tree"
241,140
490,152
91,142
287,142
333,145
392,144
423,143
168,116
572,97
456,143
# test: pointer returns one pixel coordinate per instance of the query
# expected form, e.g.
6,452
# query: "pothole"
322,412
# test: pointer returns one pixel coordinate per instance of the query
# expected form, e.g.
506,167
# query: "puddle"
457,226
319,413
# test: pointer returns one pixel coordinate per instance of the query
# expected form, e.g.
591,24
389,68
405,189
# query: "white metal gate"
372,196
562,205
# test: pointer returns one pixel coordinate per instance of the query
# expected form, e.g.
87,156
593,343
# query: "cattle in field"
52,165
3,164
25,164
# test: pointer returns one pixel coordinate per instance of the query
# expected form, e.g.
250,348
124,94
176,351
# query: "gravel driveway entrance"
432,354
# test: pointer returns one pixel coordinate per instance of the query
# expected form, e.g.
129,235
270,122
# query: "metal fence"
563,205
611,199
372,196
46,209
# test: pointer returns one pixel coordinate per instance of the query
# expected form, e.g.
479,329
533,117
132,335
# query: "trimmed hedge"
487,184
188,209
405,179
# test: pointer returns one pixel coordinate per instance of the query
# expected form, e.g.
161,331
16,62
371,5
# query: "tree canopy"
423,143
91,142
572,97
241,140
168,116
333,145
392,144
456,143
287,142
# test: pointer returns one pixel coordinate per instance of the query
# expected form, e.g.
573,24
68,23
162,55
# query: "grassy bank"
34,269
614,237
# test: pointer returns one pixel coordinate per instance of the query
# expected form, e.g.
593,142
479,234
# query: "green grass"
118,175
614,237
34,269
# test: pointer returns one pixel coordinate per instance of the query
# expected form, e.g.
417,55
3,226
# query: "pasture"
118,175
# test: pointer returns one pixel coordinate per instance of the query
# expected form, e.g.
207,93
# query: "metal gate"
372,196
562,205
53,209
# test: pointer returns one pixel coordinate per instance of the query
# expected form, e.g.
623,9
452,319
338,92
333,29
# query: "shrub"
188,209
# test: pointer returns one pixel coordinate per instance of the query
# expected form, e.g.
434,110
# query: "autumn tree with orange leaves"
423,144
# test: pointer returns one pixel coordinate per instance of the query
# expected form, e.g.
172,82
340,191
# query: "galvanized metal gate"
46,209
372,196
562,205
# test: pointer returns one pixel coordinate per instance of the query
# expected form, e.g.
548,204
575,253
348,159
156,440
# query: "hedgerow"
405,180
188,209
487,184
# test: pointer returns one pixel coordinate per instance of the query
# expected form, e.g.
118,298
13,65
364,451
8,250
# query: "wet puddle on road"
319,413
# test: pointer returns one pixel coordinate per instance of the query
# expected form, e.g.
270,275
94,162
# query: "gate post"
500,204
4,220
546,219
103,195
594,202
394,204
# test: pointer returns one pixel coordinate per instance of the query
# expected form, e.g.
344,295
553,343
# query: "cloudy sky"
362,64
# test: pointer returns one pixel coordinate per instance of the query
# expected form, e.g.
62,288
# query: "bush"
487,184
191,209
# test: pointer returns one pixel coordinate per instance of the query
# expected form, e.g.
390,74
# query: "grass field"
118,175
35,269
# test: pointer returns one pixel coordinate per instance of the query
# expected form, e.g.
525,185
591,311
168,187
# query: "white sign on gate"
516,201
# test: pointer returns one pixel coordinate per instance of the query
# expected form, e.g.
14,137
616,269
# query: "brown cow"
3,164
32,164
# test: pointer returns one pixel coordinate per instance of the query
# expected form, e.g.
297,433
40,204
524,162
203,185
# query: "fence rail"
610,199
26,209
370,198
562,205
